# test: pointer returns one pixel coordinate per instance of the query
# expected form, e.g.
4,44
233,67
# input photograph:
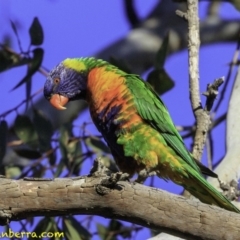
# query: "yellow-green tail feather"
204,191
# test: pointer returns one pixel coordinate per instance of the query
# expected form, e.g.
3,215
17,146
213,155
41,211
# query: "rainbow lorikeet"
134,122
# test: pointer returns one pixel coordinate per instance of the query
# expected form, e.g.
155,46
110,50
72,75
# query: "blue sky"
81,28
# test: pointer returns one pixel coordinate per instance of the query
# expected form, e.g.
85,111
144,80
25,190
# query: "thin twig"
219,120
181,14
212,93
3,115
184,128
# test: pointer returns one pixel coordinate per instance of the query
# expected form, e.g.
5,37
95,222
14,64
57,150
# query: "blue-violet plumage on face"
65,82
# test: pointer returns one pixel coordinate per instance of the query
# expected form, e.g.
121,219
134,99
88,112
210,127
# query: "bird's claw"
144,174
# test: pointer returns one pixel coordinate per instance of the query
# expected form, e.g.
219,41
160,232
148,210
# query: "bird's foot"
108,179
230,190
143,175
109,183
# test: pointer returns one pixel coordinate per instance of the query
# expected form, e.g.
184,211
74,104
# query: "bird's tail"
205,192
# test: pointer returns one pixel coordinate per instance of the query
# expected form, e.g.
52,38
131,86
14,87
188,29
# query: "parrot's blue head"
64,84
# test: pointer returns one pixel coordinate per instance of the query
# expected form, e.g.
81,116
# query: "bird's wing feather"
151,108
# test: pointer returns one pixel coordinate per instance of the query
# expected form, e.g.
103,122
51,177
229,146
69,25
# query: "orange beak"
59,101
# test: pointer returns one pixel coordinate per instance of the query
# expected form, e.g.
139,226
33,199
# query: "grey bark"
146,206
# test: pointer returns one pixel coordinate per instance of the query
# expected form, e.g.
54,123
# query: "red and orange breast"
107,91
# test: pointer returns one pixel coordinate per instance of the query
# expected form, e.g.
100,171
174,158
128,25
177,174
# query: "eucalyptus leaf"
60,167
13,25
36,32
70,148
12,172
74,230
162,54
46,224
102,231
236,4
8,59
160,81
27,153
25,130
97,145
44,129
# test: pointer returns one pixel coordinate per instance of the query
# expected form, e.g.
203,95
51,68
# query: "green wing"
151,108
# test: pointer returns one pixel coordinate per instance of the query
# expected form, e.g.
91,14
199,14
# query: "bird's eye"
56,80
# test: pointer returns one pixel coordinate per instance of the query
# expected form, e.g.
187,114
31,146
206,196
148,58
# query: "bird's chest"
106,121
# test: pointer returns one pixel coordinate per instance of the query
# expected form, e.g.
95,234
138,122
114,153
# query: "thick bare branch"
135,203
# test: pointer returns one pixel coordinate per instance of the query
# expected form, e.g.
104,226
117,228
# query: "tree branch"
202,117
132,202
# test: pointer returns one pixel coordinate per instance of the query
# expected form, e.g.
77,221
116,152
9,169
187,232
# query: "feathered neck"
84,64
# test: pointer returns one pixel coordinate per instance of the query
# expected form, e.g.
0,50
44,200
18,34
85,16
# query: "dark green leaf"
131,13
74,230
162,54
97,145
117,228
46,224
25,130
14,28
115,225
34,65
44,129
9,59
236,4
28,89
160,81
60,167
6,61
70,147
36,32
109,163
28,153
3,139
20,62
121,64
12,172
103,231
